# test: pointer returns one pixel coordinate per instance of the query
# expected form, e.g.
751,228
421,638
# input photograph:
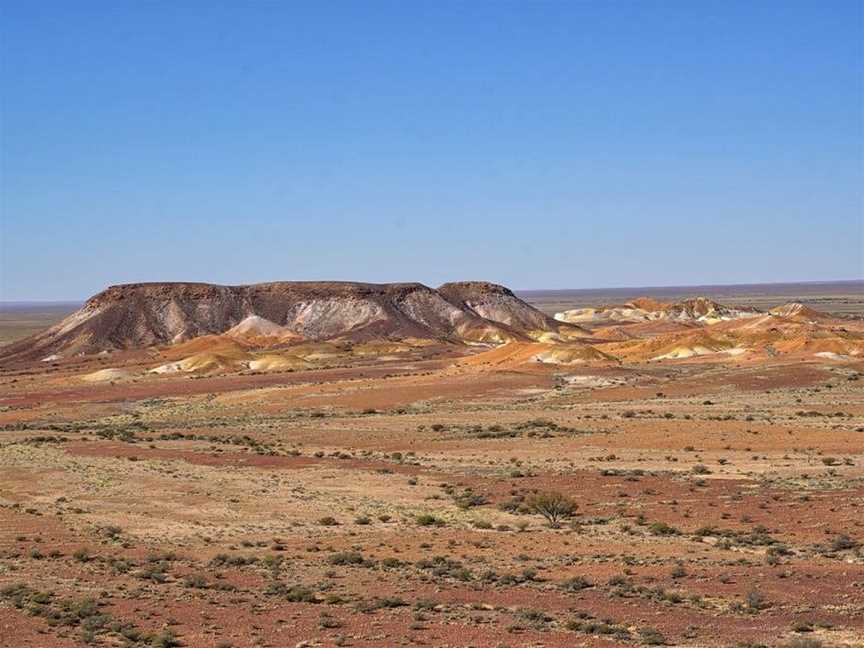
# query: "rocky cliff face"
497,303
135,316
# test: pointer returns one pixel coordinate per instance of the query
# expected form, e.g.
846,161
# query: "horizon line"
702,285
515,290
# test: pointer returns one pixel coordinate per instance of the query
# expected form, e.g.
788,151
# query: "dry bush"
552,506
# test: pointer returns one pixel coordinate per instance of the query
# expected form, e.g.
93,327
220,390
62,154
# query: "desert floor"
388,504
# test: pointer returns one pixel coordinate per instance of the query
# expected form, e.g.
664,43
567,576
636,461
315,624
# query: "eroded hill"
136,316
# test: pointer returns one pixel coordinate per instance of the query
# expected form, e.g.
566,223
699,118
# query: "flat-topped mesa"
135,316
293,289
120,292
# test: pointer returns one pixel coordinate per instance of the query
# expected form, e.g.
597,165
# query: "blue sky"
536,144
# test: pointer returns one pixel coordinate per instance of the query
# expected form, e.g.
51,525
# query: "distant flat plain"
20,319
835,297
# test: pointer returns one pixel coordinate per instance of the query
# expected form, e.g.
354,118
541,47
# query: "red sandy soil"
715,504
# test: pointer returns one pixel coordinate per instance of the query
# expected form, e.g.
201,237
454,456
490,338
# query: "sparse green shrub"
111,532
427,519
291,593
755,601
552,506
576,584
662,529
651,637
469,499
346,558
196,581
843,542
165,639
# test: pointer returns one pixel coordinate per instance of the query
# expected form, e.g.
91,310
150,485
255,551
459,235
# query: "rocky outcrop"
497,303
697,310
135,316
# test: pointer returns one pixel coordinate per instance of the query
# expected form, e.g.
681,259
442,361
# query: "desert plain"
636,479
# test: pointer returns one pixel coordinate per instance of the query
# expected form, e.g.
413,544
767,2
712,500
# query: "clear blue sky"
537,144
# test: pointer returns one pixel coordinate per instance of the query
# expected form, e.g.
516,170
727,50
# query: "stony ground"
396,504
